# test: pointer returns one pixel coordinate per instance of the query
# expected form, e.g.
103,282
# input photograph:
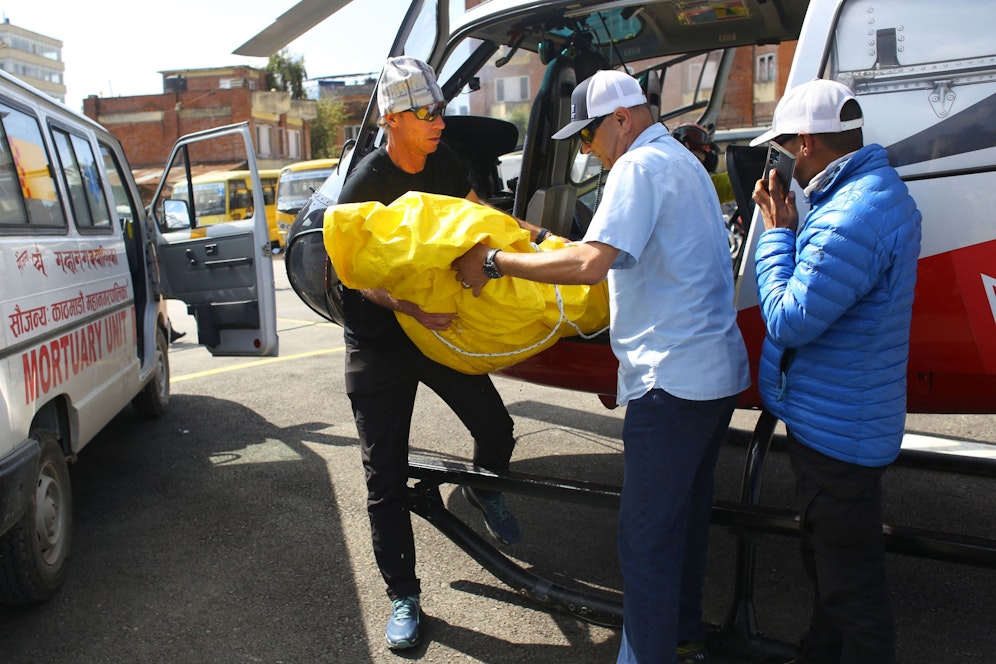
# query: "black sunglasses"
588,133
784,138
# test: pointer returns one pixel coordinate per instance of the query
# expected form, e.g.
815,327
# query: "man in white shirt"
658,236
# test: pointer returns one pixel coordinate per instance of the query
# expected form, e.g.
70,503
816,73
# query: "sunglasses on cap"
588,133
430,112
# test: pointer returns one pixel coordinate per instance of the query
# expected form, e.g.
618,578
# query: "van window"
296,187
239,200
26,183
11,204
209,197
123,203
86,192
269,190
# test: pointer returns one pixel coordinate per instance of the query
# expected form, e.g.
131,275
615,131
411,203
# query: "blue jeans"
669,461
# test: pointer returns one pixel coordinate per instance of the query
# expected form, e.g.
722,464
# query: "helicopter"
926,86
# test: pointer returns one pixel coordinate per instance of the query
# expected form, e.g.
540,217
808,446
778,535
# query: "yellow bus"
296,184
222,196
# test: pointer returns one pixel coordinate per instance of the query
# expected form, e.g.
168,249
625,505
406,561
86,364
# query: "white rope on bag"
560,321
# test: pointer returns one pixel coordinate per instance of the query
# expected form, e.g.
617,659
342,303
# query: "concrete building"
33,58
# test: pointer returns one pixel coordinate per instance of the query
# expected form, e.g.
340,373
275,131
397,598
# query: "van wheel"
154,397
34,553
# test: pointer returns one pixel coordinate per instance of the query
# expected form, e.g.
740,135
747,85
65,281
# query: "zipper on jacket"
787,356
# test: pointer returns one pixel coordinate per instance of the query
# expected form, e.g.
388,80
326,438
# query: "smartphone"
782,161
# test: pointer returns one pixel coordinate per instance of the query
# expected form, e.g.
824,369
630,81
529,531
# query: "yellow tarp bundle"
406,248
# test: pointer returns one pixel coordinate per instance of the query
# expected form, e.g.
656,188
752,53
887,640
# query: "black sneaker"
501,523
694,652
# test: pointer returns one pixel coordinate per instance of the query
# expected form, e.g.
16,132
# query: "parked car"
295,185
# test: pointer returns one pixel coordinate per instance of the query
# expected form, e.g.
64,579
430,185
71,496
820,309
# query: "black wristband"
543,232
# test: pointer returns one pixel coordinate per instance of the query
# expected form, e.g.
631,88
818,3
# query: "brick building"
756,84
197,99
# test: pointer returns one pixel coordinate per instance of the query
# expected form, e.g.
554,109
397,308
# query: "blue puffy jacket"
840,293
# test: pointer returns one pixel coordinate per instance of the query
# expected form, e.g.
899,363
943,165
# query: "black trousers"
843,552
381,385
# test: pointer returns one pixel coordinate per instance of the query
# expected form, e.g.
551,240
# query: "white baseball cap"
407,83
811,108
600,95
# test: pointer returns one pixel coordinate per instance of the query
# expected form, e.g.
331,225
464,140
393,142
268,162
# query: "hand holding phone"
782,162
777,211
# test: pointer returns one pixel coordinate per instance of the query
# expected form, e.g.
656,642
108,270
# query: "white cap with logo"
600,95
811,108
406,83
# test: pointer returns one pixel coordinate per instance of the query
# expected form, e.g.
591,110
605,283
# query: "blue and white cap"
600,95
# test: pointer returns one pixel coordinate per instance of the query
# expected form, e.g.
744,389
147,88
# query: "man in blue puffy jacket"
836,295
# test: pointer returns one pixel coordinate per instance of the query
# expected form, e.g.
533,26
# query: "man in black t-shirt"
384,368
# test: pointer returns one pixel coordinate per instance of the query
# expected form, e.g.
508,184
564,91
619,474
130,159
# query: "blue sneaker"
501,523
402,628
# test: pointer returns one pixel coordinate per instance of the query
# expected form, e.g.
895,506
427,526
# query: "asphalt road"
233,529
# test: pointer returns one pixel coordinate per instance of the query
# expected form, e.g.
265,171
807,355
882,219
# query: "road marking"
915,441
254,363
308,322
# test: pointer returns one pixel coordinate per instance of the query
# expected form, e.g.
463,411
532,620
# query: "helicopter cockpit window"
498,96
679,89
609,27
423,35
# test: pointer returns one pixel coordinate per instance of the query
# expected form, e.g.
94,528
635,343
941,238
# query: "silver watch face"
490,269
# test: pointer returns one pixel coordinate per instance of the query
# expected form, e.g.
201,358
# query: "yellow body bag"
407,247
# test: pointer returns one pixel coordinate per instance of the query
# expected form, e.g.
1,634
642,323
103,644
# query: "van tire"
34,553
154,397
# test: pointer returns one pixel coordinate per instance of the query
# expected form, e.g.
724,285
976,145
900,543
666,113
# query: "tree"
519,116
325,128
286,73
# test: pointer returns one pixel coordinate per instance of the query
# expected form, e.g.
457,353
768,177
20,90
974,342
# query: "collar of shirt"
826,176
654,132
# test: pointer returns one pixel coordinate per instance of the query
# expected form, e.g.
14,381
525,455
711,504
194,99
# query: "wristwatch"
490,269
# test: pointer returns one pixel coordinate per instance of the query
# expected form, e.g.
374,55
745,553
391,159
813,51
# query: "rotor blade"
289,26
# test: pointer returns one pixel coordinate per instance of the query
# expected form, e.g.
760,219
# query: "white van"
84,273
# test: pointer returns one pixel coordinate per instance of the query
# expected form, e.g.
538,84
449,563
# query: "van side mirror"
177,214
